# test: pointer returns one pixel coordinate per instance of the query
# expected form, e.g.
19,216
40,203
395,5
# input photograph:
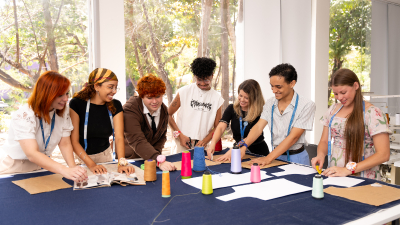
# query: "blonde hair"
256,100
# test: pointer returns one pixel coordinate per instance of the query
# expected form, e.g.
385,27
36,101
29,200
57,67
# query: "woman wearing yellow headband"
96,116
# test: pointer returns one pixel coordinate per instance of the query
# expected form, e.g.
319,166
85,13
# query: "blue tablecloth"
142,204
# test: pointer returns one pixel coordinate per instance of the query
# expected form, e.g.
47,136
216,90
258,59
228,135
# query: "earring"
98,93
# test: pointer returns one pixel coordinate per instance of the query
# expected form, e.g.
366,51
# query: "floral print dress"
375,123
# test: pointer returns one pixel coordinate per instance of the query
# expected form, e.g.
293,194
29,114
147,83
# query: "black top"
99,125
231,117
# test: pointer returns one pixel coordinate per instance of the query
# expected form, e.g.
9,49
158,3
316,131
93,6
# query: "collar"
202,91
146,110
51,113
293,102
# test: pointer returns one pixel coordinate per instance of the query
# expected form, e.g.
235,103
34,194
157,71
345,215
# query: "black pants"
259,148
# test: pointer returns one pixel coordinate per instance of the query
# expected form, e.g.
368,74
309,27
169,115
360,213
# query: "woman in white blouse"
38,127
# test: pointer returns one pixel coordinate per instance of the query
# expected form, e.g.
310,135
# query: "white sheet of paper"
266,190
342,181
294,169
225,180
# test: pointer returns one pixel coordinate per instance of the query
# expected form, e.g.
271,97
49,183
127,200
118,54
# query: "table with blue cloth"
187,205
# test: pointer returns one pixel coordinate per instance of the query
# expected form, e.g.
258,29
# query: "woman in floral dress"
359,133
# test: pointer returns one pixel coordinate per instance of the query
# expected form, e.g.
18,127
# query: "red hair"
48,87
150,85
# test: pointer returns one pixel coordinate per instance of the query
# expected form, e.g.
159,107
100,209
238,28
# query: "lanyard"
290,124
86,124
53,120
330,137
242,130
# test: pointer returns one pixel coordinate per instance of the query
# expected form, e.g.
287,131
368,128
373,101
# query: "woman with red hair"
96,116
146,122
38,127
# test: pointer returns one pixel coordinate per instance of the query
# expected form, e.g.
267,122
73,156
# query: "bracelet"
242,143
80,156
122,162
176,133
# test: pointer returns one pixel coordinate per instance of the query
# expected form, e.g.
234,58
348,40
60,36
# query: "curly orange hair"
150,85
48,87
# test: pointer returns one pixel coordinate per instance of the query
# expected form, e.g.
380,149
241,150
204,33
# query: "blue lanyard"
86,124
242,130
290,124
330,137
53,120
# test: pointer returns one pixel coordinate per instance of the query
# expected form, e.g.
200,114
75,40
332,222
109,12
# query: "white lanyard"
86,124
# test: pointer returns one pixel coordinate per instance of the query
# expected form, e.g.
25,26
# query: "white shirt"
303,119
197,112
25,125
156,115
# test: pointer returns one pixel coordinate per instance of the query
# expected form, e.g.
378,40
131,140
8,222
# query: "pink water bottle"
255,175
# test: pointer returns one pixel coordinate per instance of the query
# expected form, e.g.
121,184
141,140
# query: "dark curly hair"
97,76
150,85
285,70
203,67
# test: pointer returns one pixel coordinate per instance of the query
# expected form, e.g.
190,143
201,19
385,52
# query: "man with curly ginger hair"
288,115
200,108
146,122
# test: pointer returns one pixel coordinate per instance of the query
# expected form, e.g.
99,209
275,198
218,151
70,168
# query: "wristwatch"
160,159
176,133
351,166
122,162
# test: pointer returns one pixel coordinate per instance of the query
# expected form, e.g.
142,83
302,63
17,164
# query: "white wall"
261,44
290,31
385,53
379,51
108,35
394,57
319,62
296,44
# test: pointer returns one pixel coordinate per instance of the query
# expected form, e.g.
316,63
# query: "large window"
164,37
37,36
350,39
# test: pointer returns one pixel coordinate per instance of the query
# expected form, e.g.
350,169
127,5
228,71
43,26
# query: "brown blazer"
139,139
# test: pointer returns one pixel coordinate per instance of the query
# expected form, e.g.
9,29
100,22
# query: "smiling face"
345,94
107,90
280,87
60,101
152,103
243,100
204,84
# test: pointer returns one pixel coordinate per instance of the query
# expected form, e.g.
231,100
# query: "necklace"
201,92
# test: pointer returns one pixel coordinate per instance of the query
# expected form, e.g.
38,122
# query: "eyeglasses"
207,81
114,89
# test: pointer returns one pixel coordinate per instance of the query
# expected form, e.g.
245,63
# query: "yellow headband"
100,75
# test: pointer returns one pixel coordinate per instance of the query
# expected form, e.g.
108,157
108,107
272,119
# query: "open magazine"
112,176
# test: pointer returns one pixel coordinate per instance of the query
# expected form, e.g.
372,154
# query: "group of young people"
355,135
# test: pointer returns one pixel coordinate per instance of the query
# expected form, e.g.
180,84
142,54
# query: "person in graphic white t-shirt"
199,108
